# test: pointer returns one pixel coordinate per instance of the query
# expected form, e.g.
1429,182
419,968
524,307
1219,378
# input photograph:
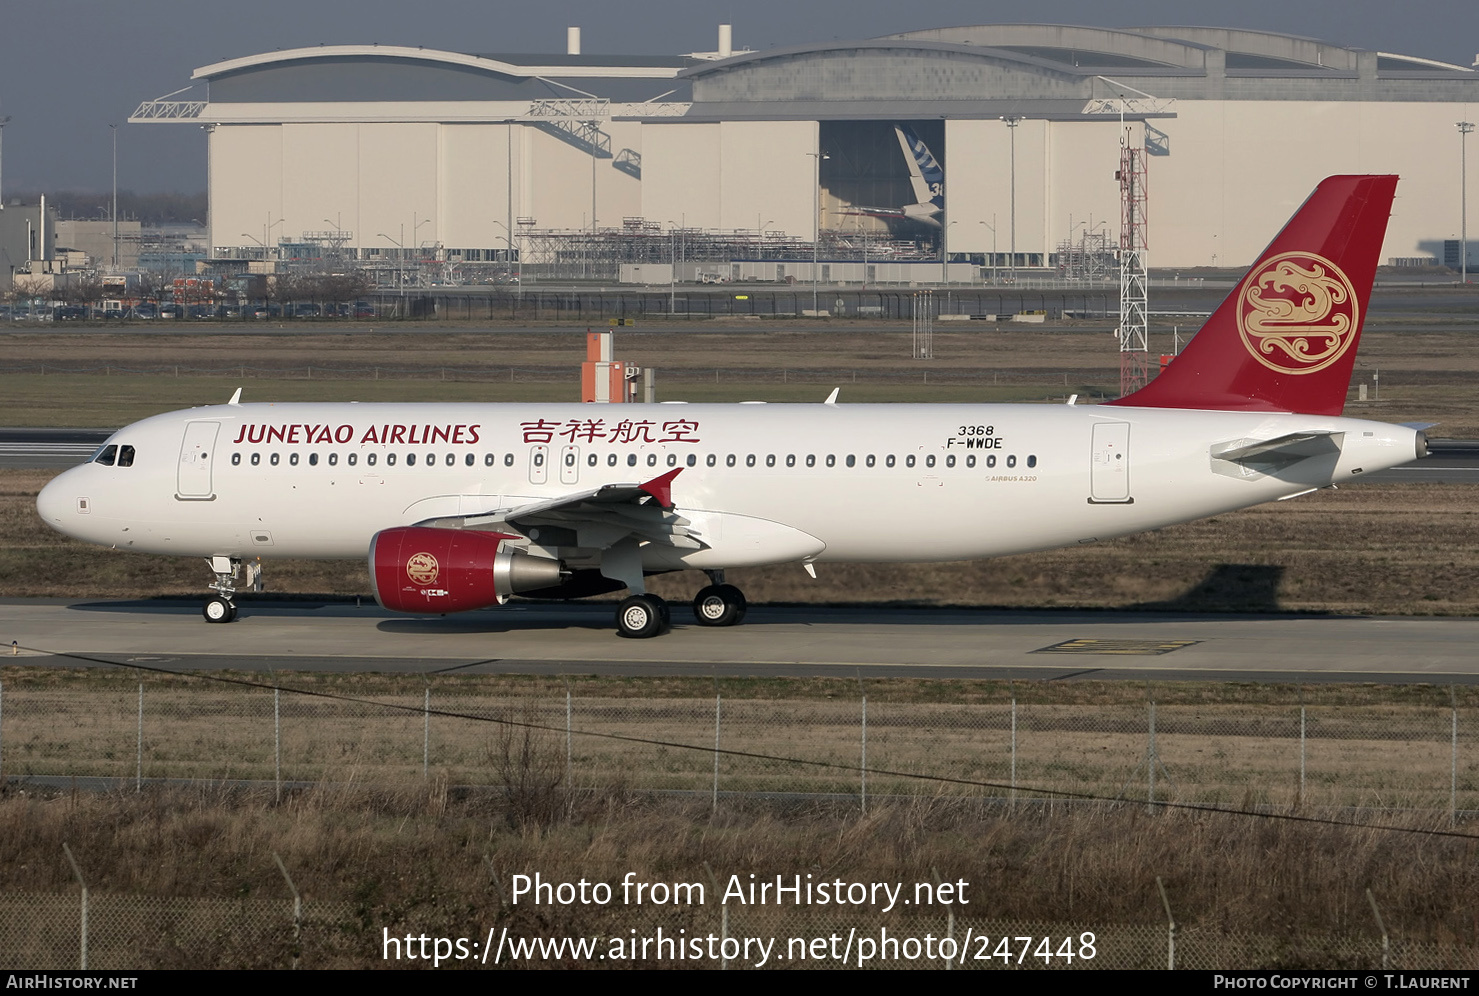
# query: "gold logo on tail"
1298,314
422,568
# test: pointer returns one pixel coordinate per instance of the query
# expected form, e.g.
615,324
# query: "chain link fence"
1407,747
41,931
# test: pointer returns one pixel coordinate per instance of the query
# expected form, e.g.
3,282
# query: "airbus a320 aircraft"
459,506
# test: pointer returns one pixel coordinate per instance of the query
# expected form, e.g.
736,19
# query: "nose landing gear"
221,607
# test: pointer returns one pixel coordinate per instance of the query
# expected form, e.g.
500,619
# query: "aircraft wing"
596,519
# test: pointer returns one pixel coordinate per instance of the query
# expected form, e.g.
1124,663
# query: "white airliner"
459,506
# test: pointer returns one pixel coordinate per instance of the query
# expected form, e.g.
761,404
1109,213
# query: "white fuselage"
761,483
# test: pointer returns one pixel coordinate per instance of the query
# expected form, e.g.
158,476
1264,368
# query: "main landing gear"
221,607
717,604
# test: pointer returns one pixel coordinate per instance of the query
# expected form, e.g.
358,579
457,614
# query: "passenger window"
929,461
538,458
970,461
631,459
1032,461
672,459
452,460
888,461
126,456
871,460
107,455
370,460
991,460
750,460
508,459
909,460
729,460
811,459
313,459
1012,460
293,459
831,460
256,459
692,459
470,460
333,459
950,461
236,459
489,459
592,460
389,459
273,458
790,459
852,461
652,459
611,460
770,460
410,459
352,459
711,460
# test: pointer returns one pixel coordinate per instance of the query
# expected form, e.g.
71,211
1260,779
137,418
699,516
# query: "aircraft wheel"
639,617
219,610
719,605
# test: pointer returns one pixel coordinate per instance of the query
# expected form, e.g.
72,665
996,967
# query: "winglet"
235,398
661,488
832,398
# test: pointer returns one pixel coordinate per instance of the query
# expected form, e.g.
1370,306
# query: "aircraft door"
569,464
1109,472
196,453
538,464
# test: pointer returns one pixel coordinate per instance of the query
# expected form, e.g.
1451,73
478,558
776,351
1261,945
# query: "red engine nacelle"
419,569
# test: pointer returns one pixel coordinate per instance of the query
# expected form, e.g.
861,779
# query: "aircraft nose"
59,501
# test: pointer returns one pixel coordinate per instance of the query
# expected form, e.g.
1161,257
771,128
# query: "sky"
70,68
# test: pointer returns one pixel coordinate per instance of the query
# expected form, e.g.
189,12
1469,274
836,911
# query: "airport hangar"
393,150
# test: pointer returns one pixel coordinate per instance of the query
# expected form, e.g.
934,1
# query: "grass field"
108,379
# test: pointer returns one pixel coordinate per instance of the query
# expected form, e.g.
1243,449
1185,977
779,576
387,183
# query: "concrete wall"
413,183
731,175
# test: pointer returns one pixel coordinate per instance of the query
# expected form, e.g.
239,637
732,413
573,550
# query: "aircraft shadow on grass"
1228,588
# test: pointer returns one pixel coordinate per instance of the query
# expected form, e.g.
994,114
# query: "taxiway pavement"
782,641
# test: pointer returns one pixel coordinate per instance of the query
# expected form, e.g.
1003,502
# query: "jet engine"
420,569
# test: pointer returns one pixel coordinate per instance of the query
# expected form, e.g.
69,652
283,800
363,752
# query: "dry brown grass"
412,860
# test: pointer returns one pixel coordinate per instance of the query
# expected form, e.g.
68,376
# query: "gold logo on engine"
1298,314
422,568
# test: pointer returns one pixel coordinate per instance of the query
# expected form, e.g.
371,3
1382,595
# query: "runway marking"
1126,648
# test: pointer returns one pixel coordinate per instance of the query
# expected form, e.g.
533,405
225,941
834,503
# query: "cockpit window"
125,456
106,455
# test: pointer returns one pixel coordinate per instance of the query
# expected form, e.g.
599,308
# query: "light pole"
1464,127
992,226
672,266
760,236
1012,120
816,220
945,254
399,277
114,129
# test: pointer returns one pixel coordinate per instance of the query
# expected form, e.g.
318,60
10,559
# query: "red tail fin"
1285,339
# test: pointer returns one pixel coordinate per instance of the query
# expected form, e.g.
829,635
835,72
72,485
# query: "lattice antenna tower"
1134,275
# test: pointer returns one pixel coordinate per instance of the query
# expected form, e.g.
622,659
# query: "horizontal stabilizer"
1251,457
